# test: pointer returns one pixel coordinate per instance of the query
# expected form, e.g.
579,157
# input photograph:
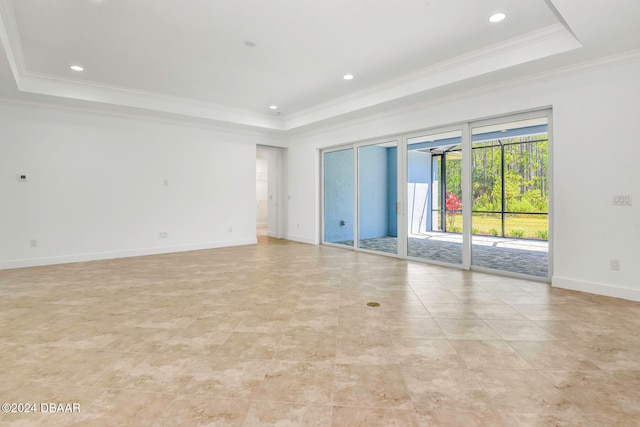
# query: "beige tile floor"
280,334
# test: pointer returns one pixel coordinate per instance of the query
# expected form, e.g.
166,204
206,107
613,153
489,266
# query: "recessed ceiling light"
497,17
348,77
273,107
76,68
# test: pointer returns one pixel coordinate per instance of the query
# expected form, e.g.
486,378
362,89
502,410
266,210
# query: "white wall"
595,154
96,183
96,186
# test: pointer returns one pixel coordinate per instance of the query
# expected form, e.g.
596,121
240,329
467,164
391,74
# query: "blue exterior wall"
373,191
338,195
419,167
419,191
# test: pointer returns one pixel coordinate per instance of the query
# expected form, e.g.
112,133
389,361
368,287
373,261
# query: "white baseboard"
596,288
301,239
65,259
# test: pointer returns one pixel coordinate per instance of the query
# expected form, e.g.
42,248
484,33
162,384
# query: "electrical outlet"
33,243
162,235
230,229
614,264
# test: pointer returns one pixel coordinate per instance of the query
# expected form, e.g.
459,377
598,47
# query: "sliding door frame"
402,142
356,165
463,128
507,118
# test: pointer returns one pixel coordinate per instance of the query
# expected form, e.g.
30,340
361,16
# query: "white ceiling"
189,57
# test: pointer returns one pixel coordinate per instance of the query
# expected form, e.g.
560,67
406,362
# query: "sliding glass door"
510,181
338,186
475,195
378,197
434,197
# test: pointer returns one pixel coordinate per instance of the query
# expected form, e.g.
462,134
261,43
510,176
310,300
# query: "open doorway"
262,196
268,182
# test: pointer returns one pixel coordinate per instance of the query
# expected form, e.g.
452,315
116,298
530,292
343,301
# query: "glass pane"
486,179
486,224
510,184
526,176
523,226
436,170
434,179
338,197
437,223
453,191
377,197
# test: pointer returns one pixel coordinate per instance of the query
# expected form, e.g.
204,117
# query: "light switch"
621,199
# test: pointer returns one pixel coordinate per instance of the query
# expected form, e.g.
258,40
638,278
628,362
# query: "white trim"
12,48
600,63
467,200
435,262
535,45
96,256
528,47
550,195
513,274
146,116
596,288
301,239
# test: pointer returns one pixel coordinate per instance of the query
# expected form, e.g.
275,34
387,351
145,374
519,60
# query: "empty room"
304,213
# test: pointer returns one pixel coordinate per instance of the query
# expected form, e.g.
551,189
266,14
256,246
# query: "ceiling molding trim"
11,40
531,46
590,65
115,95
147,116
535,45
127,97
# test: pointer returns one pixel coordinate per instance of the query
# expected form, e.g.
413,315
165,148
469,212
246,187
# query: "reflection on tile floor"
280,333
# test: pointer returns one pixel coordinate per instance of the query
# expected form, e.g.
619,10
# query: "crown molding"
10,40
43,84
276,137
134,98
616,60
535,45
